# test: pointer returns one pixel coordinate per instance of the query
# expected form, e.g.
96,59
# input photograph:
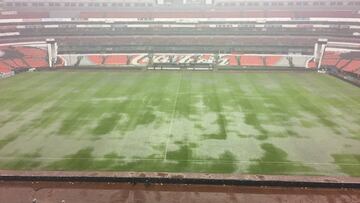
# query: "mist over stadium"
150,100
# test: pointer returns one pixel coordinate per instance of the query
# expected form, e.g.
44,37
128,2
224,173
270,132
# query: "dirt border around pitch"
99,192
185,178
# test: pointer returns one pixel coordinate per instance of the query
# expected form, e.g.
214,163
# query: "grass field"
263,123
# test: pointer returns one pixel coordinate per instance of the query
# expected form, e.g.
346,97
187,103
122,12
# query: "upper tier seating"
24,15
223,14
189,40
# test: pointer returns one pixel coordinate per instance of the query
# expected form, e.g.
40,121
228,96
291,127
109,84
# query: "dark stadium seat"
223,14
191,40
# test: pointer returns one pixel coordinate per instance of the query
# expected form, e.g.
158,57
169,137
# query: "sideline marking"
187,160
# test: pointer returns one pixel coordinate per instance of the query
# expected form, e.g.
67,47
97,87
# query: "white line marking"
172,118
188,160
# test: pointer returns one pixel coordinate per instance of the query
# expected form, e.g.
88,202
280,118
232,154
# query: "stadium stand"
144,59
264,33
352,67
188,40
24,15
4,69
161,26
224,14
177,29
20,58
346,60
251,60
108,59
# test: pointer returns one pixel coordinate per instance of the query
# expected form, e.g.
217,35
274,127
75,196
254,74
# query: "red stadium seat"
232,60
108,59
10,63
37,63
331,58
31,51
273,60
352,67
116,60
23,57
312,64
247,60
20,63
342,63
4,68
96,59
348,61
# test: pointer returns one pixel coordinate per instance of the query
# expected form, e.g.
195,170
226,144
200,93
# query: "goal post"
52,49
319,50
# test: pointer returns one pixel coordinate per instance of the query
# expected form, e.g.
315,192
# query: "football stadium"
167,93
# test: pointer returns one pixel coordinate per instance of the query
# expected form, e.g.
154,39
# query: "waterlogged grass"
179,160
258,123
22,161
348,163
106,125
275,161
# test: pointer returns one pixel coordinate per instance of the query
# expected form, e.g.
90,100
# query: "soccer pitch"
214,122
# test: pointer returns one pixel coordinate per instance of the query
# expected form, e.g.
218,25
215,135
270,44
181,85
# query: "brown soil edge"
185,178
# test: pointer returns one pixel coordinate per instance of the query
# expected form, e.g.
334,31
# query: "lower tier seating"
346,60
244,60
22,57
